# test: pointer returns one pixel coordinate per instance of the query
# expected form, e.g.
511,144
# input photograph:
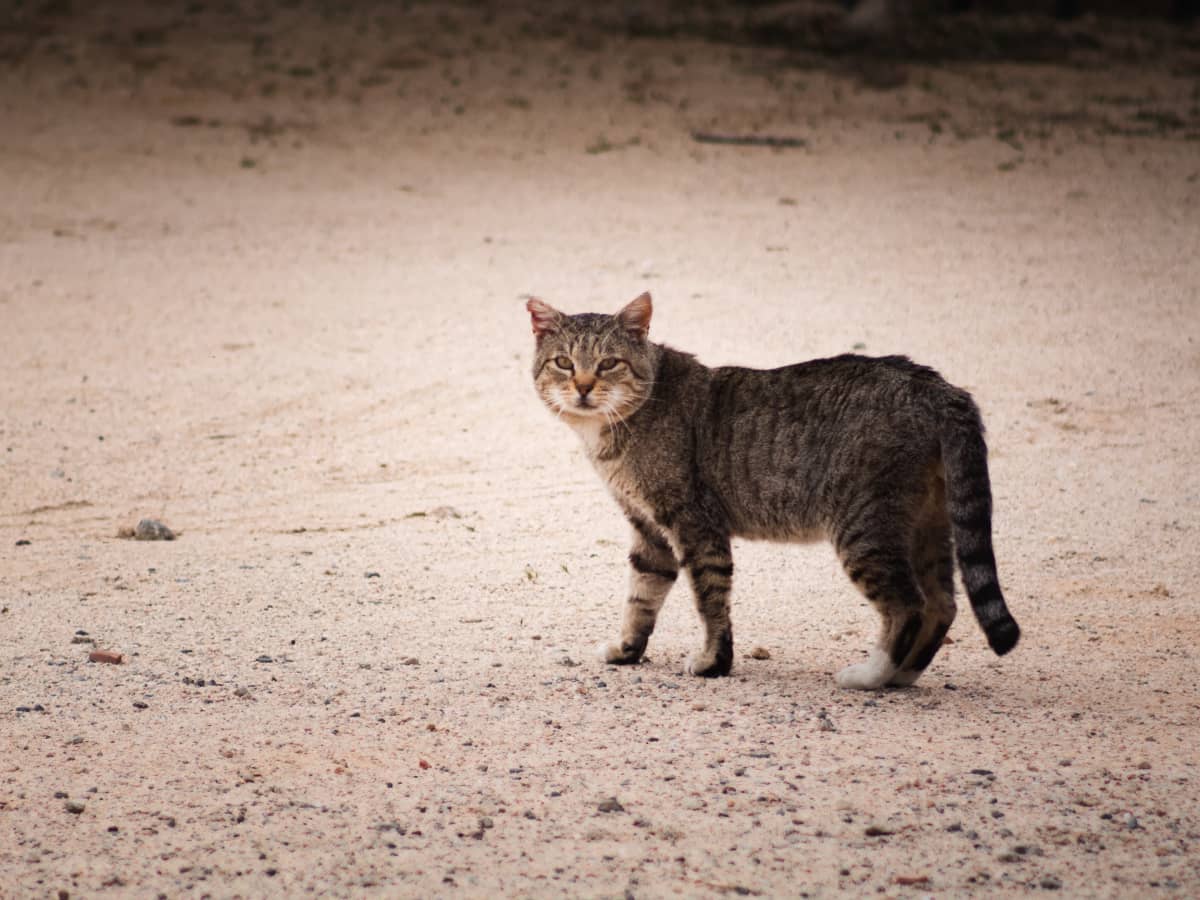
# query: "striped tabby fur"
881,456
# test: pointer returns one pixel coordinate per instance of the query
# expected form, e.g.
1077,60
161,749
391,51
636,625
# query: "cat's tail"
969,499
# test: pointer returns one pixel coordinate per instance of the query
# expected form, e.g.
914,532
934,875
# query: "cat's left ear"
545,317
635,317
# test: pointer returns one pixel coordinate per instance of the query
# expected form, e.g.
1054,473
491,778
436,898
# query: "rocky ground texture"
262,270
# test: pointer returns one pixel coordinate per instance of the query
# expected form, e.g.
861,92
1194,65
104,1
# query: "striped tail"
969,498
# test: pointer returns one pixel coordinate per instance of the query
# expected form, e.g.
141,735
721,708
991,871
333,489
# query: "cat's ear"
546,318
635,317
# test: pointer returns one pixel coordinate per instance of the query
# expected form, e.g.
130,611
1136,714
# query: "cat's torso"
774,452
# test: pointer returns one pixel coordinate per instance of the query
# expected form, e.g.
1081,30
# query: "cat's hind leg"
933,562
652,571
885,576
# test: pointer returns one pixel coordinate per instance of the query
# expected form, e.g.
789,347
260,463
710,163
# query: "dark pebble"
152,530
610,804
138,704
982,772
372,575
1050,883
265,659
23,543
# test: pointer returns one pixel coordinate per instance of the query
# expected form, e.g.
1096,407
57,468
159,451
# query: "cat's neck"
593,433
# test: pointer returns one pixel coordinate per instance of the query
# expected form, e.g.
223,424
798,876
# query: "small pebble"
1130,821
265,659
1050,883
23,543
760,653
106,656
74,807
152,530
610,804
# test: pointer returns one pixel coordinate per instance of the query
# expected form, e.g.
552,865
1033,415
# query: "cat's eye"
609,362
564,362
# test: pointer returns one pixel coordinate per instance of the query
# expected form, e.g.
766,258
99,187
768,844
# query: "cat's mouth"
583,408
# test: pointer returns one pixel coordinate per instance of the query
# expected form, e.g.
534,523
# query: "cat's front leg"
653,569
707,556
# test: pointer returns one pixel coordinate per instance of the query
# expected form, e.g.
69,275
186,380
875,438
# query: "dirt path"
261,277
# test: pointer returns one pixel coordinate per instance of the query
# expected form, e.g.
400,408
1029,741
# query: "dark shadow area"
316,49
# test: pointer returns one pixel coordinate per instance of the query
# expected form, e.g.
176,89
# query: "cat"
879,455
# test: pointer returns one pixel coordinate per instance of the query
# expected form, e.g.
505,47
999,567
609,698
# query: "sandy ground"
261,276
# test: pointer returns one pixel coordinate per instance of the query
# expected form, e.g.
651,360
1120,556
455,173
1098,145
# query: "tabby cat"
879,455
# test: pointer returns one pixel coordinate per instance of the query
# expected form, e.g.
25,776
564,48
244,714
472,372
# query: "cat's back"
839,392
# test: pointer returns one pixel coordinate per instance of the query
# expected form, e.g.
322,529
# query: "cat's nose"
584,386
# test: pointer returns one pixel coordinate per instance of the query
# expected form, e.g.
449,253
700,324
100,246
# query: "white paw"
871,675
705,665
608,651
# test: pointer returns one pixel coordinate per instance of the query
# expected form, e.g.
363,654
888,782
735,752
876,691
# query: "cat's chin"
587,416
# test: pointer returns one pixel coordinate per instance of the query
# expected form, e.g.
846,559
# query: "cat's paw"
871,675
904,678
709,665
617,654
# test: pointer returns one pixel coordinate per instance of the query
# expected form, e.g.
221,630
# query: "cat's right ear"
546,318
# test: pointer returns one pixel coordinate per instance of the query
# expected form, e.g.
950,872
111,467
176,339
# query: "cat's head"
593,366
